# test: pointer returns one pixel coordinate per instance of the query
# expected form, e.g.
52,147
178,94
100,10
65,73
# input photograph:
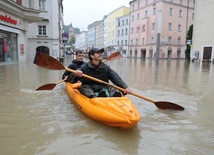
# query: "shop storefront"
8,47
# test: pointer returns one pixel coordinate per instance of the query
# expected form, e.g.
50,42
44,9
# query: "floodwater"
46,122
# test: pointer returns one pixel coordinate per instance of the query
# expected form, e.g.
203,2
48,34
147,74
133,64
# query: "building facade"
81,41
111,27
46,36
100,34
14,19
91,42
122,34
203,33
30,26
159,26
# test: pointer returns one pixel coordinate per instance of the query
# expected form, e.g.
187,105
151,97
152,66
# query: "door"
1,50
207,54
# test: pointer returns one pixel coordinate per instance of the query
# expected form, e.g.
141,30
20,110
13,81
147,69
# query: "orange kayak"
112,111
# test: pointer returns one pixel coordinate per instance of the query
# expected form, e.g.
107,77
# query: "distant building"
159,27
203,32
122,34
81,41
111,27
91,42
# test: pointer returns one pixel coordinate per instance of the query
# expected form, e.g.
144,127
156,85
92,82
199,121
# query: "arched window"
43,49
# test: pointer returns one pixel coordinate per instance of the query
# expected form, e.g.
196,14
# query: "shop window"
8,47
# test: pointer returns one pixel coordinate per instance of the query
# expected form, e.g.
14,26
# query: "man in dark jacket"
98,69
75,64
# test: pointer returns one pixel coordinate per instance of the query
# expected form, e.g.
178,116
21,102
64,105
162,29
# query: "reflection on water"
46,122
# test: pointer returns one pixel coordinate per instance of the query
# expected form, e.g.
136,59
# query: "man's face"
97,56
79,57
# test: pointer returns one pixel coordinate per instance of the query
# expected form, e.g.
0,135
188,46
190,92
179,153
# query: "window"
146,14
138,16
118,43
138,29
125,42
126,31
118,22
136,42
131,42
170,11
170,40
133,7
154,11
143,27
30,4
122,33
127,21
180,13
179,41
179,27
42,30
146,2
123,22
152,40
138,5
170,27
153,26
118,32
143,41
132,30
193,16
121,42
42,4
180,1
132,17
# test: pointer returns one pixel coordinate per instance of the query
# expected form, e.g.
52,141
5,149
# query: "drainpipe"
158,33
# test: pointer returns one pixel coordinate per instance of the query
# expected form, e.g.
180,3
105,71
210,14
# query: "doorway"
43,49
207,54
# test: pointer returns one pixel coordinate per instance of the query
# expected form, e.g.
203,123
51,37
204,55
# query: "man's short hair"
79,52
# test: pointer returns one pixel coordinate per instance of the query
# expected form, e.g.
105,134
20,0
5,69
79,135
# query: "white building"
81,41
30,26
91,42
14,20
203,33
46,36
122,34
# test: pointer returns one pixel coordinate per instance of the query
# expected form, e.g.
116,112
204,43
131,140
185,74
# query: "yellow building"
111,25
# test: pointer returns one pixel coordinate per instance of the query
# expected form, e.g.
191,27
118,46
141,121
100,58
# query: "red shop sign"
7,19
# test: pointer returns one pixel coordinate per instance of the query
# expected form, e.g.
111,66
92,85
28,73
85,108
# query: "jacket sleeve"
116,79
66,73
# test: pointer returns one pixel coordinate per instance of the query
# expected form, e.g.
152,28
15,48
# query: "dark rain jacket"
102,72
74,65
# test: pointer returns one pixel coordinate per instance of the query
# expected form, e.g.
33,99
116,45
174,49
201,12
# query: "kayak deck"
112,111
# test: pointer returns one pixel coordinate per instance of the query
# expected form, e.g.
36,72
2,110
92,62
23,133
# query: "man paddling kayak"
98,69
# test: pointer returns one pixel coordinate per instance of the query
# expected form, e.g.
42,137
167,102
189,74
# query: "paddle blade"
115,56
47,87
164,105
48,62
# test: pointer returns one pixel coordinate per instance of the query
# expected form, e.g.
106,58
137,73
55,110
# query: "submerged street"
47,122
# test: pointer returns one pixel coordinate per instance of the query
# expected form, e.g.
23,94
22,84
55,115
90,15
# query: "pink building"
162,21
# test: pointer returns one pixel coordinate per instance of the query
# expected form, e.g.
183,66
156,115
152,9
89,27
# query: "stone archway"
43,49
